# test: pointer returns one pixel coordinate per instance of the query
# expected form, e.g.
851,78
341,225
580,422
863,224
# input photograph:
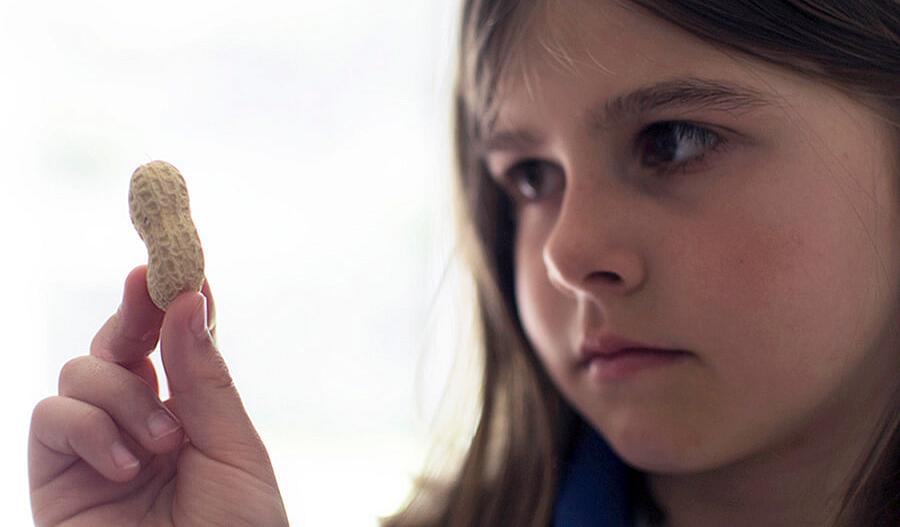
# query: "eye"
531,180
668,146
665,147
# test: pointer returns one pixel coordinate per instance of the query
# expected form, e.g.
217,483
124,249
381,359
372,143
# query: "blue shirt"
593,486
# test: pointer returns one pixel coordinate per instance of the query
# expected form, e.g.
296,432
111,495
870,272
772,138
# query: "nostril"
609,276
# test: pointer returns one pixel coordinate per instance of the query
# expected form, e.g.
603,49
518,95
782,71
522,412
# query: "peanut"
160,211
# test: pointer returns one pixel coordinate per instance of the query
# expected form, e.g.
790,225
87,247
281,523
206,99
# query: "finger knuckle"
43,408
74,371
102,337
91,425
218,379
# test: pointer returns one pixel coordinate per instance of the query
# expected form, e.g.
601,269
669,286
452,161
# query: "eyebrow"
682,92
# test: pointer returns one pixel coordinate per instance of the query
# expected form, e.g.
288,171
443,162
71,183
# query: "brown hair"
510,472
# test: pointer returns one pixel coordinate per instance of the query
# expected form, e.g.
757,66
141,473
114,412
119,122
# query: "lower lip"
627,363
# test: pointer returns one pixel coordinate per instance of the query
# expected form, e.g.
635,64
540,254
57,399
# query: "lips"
626,365
608,346
629,351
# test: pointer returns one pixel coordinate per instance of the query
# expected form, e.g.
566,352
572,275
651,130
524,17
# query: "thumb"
203,395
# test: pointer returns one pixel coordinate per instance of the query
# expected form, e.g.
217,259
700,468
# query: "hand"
211,470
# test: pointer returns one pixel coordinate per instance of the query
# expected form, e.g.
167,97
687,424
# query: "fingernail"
199,322
122,457
160,424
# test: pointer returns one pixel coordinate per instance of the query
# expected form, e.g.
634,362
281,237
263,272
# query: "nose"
593,249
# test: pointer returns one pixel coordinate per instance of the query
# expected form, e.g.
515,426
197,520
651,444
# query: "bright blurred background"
314,138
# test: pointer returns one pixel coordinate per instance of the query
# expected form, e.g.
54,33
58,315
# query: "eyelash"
682,131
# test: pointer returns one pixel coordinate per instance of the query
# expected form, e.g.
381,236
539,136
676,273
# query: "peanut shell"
160,211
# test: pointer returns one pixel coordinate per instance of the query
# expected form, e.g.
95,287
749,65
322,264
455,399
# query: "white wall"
314,139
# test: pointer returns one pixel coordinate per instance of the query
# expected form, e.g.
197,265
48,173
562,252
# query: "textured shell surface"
157,190
160,211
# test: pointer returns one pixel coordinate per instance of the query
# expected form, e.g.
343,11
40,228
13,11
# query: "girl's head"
720,180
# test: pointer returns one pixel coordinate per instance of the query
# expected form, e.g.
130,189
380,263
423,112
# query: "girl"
719,184
719,178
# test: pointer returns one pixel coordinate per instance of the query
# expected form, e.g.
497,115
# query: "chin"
649,447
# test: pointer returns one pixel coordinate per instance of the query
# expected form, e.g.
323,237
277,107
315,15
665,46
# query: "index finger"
132,332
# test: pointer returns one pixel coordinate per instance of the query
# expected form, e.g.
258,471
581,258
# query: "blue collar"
593,488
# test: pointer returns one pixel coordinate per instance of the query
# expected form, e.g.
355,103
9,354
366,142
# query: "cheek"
544,312
787,305
781,318
771,300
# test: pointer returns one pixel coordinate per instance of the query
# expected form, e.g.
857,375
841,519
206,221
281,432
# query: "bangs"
494,38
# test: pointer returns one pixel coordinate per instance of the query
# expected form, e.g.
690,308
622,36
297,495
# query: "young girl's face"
772,256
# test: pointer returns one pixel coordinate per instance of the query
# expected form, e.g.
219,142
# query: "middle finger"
125,397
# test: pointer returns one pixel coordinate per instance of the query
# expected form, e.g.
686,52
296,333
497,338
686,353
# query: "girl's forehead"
610,38
598,51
